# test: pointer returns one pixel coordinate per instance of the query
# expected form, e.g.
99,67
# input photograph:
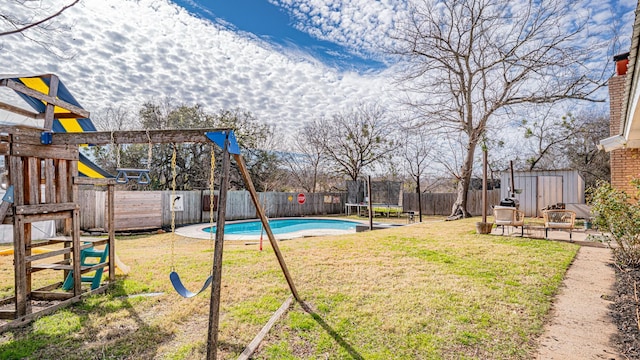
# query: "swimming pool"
289,226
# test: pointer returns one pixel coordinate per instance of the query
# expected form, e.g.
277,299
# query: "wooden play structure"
45,169
44,181
43,185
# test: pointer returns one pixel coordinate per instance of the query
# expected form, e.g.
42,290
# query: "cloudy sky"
286,61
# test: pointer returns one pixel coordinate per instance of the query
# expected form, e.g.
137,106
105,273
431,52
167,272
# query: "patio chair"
558,219
508,216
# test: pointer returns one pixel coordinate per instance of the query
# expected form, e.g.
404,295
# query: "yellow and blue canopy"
62,123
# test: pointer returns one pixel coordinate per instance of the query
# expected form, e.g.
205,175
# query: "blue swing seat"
181,290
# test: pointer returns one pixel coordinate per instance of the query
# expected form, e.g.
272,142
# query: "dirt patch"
625,312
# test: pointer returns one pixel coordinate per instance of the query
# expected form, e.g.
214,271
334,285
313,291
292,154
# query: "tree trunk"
315,181
419,197
459,209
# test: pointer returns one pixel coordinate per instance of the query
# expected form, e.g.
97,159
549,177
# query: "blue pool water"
283,226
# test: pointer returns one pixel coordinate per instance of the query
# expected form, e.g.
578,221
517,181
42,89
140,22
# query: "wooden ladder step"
45,208
7,314
86,269
38,267
50,295
48,254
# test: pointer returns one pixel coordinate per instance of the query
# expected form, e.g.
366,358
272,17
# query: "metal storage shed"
543,188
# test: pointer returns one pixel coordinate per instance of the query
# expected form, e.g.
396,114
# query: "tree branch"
39,22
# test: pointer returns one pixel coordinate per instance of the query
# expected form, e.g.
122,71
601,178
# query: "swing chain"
211,192
172,200
116,149
173,276
149,151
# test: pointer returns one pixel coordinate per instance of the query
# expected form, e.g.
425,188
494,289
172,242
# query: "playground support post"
484,186
370,203
265,223
214,304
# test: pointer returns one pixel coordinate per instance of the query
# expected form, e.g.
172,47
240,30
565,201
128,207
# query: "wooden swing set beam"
35,115
134,137
50,99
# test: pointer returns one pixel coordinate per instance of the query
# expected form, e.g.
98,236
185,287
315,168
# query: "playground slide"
121,268
33,251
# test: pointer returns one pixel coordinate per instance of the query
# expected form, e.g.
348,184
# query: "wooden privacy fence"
441,203
139,210
277,204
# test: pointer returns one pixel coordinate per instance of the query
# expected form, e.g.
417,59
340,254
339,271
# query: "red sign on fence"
301,198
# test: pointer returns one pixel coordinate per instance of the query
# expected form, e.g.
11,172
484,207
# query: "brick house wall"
625,163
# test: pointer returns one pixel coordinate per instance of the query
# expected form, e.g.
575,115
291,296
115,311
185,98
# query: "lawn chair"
558,219
508,216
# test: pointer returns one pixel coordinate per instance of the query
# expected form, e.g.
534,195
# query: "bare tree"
111,119
15,24
582,149
115,118
548,134
265,163
417,151
193,161
33,20
470,61
353,141
305,159
570,141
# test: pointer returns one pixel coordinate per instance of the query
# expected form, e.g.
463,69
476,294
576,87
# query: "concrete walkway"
581,326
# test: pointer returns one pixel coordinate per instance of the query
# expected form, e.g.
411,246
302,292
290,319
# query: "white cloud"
362,26
127,52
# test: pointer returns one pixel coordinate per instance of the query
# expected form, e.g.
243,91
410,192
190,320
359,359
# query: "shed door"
549,191
528,195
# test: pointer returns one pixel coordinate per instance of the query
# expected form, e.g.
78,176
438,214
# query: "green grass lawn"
434,290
